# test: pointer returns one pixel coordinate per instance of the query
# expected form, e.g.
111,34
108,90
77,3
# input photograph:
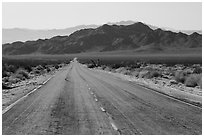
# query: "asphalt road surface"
78,100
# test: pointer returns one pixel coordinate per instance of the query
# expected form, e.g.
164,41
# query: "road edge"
32,91
187,101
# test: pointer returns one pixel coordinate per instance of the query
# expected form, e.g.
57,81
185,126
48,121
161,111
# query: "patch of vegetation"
149,74
21,74
48,69
194,80
180,76
154,73
197,70
17,69
189,74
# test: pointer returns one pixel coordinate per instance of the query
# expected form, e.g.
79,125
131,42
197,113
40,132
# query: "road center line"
102,109
114,126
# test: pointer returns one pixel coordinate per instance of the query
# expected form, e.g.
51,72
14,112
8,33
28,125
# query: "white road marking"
39,86
13,104
10,106
114,126
171,97
96,99
45,82
102,109
22,113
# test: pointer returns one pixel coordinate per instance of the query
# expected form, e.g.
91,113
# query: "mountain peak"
195,34
107,37
106,26
139,26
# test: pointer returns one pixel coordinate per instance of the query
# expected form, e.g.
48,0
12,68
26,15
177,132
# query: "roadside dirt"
187,94
22,88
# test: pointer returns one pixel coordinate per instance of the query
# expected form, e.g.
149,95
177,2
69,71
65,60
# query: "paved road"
82,101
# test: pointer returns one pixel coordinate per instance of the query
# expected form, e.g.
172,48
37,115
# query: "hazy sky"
180,16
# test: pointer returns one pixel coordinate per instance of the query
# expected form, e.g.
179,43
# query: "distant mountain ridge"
129,22
21,34
138,36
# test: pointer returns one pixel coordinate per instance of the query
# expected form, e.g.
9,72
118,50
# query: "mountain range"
21,34
108,37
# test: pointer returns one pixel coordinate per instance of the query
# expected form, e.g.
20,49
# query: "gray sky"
180,16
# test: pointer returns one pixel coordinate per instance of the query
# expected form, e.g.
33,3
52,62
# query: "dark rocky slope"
138,36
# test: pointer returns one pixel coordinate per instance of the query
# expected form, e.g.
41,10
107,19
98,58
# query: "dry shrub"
21,74
135,73
56,66
120,70
180,76
155,73
149,74
48,69
91,66
14,79
107,69
124,71
36,71
194,80
39,67
197,70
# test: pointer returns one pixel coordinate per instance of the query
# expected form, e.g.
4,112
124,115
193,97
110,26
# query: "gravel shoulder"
22,88
186,94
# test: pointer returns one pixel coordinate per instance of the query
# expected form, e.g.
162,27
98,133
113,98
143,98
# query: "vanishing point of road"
78,100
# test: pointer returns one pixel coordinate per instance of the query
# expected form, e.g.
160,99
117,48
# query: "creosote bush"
154,73
180,76
48,69
197,70
149,74
194,80
21,74
56,66
39,67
